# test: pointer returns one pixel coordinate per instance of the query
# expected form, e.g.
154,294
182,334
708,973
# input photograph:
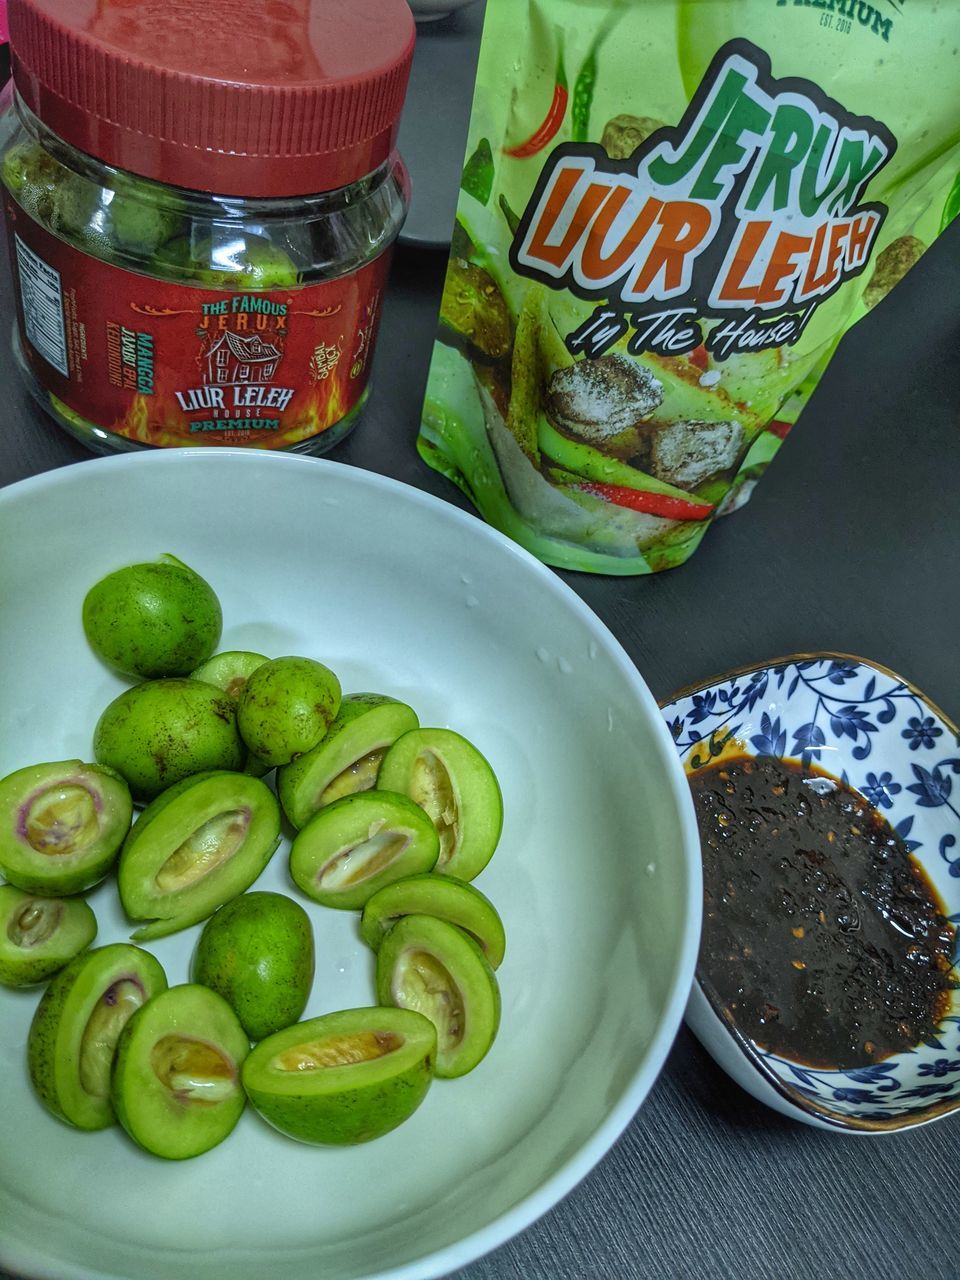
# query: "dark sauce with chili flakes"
820,935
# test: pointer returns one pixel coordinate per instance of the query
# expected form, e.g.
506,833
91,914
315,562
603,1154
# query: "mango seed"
99,1041
361,775
337,1051
192,1070
214,842
61,820
423,983
35,922
432,790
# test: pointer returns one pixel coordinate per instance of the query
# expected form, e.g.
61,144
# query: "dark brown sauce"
821,935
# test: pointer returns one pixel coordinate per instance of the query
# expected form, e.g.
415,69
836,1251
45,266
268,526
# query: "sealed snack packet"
670,212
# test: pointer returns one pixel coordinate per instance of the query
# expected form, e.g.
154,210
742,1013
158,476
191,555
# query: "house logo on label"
233,359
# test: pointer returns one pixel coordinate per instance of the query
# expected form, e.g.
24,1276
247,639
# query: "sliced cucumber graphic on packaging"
348,759
176,1080
39,936
448,777
344,1078
442,897
436,969
355,846
74,1033
199,844
61,825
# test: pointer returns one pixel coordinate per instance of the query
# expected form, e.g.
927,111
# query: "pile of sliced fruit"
391,819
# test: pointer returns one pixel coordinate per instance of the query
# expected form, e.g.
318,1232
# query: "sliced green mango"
344,1078
442,897
39,936
348,757
61,825
353,847
449,778
73,1037
199,844
434,968
593,464
176,1080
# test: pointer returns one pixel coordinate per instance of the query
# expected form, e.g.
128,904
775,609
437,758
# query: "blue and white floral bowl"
881,736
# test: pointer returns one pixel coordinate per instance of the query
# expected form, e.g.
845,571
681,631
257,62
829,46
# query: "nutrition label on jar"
42,298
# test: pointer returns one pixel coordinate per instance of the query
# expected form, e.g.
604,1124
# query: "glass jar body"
153,315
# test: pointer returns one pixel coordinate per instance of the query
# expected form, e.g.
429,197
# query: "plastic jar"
201,200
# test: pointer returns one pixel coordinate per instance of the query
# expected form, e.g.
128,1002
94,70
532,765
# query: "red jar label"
173,364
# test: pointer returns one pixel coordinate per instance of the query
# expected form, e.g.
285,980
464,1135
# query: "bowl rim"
826,1115
548,1194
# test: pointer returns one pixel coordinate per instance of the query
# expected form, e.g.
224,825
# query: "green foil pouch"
670,213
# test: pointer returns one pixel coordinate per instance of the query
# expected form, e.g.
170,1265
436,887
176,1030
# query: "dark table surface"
850,544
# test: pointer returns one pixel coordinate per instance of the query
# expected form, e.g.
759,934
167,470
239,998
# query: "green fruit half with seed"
152,620
176,1079
202,842
286,707
448,777
348,759
436,969
345,1078
257,952
74,1033
61,825
442,897
355,846
38,936
161,731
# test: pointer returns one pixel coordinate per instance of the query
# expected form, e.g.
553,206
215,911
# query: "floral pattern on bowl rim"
879,734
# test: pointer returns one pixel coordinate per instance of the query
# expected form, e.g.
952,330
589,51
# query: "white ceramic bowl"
597,876
878,733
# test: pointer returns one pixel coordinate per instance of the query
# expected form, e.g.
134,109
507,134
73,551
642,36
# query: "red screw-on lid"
239,97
